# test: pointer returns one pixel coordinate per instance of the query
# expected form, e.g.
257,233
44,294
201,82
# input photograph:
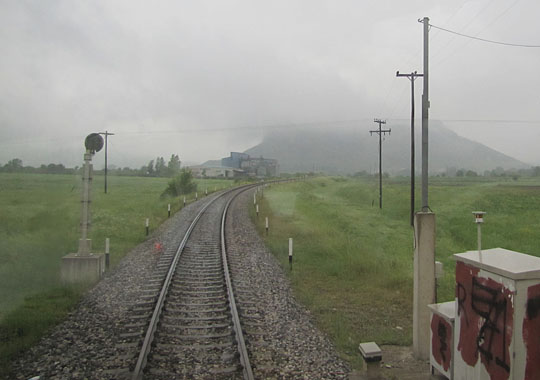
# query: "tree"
174,165
160,168
181,184
150,168
14,165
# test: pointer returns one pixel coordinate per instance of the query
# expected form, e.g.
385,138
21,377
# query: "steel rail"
149,337
242,350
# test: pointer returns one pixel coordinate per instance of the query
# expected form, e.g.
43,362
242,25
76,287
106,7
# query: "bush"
181,184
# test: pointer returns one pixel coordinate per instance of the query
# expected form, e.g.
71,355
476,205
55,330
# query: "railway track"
194,331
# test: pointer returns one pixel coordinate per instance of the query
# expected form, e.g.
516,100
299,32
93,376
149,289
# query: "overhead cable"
483,39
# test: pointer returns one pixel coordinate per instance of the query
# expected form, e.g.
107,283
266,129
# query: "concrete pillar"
85,244
424,281
84,266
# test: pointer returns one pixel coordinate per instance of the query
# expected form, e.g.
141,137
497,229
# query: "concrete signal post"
85,266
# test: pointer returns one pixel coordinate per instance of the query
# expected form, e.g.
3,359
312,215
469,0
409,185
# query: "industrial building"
253,167
201,171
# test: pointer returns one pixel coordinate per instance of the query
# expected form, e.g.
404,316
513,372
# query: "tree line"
155,168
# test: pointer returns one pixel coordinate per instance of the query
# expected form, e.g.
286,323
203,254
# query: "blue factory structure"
252,166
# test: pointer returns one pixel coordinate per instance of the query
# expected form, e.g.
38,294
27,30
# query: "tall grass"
353,262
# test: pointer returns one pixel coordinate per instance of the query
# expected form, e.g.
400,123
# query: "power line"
483,39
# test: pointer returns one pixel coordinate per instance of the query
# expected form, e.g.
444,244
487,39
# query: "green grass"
39,223
353,262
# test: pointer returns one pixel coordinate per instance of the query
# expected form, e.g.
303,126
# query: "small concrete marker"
257,210
196,196
266,224
147,224
107,241
372,355
254,199
206,191
169,210
184,201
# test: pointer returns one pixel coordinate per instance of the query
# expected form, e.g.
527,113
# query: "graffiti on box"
531,332
485,310
441,341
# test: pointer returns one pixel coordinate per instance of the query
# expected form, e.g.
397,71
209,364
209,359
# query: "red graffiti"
486,313
441,341
469,322
531,333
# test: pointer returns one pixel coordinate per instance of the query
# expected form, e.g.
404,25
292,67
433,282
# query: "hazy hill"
349,148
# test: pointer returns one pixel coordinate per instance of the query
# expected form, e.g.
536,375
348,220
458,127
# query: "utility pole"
380,132
424,236
106,134
412,77
425,117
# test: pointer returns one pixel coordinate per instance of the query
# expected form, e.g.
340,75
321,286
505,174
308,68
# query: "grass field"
353,262
39,223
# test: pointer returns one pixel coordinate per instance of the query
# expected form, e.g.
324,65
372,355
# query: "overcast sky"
202,78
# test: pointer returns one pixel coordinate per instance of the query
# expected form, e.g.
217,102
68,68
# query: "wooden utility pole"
412,76
106,134
380,132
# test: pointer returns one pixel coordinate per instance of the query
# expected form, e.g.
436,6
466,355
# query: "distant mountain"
348,148
211,163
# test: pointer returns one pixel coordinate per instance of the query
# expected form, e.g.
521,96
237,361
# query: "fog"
203,78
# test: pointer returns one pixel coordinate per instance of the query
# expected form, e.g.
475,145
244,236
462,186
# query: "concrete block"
424,282
372,355
82,268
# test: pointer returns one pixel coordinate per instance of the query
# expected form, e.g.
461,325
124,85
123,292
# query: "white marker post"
147,226
107,253
169,210
266,224
196,196
254,199
290,252
184,201
479,219
206,191
257,210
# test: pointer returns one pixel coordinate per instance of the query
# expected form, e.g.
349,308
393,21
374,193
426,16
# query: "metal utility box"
442,337
497,321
